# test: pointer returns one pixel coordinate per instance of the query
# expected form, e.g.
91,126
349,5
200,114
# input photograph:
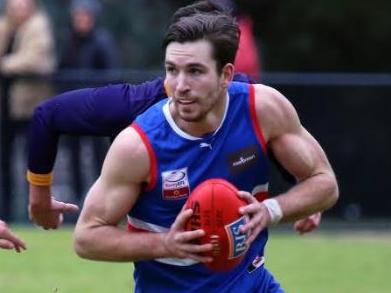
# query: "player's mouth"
185,102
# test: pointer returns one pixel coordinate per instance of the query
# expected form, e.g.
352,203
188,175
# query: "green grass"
50,265
337,263
313,263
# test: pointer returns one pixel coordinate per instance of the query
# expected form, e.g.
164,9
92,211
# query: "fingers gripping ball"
215,206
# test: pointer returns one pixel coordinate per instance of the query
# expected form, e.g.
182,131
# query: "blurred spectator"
26,47
247,58
88,46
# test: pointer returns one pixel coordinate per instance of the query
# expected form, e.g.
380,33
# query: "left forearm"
316,193
111,243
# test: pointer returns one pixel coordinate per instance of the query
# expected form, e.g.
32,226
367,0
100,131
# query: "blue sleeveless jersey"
179,162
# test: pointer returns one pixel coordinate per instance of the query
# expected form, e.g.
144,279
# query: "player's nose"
182,84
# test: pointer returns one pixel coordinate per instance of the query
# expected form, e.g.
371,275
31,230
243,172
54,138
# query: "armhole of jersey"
254,120
151,155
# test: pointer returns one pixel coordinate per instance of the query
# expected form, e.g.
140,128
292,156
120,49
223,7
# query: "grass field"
317,263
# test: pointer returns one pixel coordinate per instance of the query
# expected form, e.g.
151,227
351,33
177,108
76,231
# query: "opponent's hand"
9,240
258,214
45,210
308,224
181,244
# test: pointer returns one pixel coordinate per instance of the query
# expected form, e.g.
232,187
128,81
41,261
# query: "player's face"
198,90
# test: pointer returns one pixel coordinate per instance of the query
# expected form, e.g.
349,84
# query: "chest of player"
233,153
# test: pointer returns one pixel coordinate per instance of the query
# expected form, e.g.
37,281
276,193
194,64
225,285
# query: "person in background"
88,46
27,58
248,58
26,48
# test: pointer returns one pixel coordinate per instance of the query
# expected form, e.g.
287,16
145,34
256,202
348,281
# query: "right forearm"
111,243
42,144
79,112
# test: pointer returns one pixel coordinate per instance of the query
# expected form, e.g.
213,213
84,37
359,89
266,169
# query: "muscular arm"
109,200
301,155
97,235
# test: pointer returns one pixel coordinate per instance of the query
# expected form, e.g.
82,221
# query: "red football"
215,206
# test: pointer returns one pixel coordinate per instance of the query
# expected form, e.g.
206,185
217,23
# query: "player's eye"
195,71
170,69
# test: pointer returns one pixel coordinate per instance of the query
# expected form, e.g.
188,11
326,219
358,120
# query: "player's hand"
258,215
181,244
45,210
9,240
308,224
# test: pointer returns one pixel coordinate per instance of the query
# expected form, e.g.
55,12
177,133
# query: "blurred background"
328,57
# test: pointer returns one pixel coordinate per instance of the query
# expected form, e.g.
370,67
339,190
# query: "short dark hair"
220,29
200,7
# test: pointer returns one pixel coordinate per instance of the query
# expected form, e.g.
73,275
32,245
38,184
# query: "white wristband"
274,210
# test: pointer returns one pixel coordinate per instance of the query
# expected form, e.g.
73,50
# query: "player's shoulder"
127,157
129,143
273,109
270,100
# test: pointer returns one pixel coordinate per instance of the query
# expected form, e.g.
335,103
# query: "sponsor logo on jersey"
175,184
257,263
243,159
237,239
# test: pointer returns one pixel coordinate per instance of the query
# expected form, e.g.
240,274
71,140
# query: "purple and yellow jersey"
101,111
236,151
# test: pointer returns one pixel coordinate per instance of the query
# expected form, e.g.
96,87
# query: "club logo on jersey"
237,239
243,159
257,263
175,184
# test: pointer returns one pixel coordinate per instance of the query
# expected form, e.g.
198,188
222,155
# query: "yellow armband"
39,179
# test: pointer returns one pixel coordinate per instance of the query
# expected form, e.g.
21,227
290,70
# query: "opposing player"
209,127
9,240
101,111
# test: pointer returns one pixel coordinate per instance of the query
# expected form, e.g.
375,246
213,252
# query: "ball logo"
237,239
175,184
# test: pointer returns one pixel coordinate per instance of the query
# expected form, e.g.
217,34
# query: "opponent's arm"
97,235
308,224
100,111
300,154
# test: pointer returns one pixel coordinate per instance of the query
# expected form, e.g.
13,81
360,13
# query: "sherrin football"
215,206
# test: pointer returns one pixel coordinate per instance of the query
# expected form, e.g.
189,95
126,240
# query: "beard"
193,112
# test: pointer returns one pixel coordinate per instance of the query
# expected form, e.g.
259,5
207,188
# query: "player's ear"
227,74
167,88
